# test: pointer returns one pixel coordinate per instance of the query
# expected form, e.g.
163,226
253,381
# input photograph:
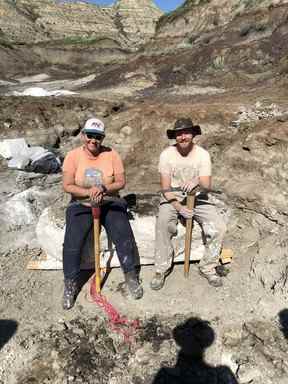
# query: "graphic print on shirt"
184,174
93,177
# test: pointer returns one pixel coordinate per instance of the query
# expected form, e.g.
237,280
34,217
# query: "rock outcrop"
128,21
227,71
136,19
194,17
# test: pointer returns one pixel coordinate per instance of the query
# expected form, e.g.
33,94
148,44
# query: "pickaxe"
190,202
188,236
96,211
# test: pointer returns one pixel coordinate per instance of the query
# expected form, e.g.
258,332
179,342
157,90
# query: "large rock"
24,208
51,226
53,20
196,16
270,264
50,234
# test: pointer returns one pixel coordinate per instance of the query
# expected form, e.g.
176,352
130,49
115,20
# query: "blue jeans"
79,223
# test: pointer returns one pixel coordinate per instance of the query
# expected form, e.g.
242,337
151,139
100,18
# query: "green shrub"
81,40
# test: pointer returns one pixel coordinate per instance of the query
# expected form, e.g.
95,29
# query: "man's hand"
188,186
96,194
186,213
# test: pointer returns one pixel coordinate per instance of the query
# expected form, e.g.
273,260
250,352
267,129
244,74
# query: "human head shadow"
194,336
283,320
7,330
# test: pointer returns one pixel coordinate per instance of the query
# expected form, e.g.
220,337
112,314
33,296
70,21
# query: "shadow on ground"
283,319
194,336
7,330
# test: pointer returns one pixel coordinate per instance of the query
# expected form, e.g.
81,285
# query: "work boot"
158,281
133,285
213,279
71,290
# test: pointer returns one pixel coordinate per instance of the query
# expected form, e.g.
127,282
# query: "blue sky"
166,5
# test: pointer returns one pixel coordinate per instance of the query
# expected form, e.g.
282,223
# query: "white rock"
20,209
126,131
50,236
33,79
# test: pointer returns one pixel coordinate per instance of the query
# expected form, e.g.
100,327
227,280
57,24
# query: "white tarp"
19,162
36,153
19,154
13,147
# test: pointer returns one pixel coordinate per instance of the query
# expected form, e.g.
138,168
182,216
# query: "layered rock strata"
128,21
198,16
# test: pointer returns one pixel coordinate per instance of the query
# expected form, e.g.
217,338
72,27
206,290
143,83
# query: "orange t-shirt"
78,161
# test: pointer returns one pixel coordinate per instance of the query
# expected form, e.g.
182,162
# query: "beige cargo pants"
213,228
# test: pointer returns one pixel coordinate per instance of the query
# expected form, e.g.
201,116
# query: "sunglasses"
94,136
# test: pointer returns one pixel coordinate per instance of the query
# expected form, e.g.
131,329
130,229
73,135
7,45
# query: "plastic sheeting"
13,147
31,159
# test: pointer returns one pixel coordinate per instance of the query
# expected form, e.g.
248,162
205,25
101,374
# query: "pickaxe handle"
97,227
188,235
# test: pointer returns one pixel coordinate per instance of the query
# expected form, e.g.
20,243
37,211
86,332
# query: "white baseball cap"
94,126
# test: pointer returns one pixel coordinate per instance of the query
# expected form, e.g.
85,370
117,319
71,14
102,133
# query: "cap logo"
96,125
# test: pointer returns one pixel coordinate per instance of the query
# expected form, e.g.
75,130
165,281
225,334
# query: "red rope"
118,323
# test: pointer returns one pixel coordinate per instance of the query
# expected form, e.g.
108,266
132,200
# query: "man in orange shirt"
89,173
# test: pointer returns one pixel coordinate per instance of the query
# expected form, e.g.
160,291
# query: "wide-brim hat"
182,124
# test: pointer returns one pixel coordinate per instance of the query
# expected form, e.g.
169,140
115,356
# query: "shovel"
188,235
97,227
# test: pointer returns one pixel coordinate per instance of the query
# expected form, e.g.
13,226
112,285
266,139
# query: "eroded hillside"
223,63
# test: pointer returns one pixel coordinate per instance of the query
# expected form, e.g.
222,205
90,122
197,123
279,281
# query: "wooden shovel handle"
188,235
97,250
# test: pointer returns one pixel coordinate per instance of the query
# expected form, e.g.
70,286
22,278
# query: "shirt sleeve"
205,168
118,166
164,166
69,164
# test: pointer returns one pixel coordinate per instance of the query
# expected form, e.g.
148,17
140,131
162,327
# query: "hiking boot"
213,279
133,285
71,290
158,281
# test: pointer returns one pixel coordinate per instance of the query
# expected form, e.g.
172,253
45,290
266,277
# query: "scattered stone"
258,112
